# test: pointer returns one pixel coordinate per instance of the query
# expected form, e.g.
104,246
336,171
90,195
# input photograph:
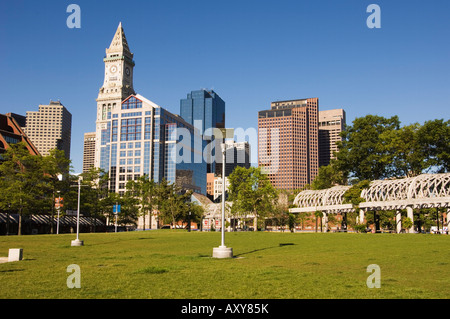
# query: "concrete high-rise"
88,151
237,154
50,128
331,124
288,142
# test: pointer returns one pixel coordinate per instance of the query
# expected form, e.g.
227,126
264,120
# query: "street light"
78,242
60,177
189,225
58,206
223,251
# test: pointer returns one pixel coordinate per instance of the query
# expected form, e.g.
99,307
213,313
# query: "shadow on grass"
266,248
11,270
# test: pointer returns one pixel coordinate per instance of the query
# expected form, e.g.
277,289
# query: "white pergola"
423,191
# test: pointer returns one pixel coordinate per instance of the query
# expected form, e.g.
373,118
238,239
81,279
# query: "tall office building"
117,86
136,137
88,151
237,154
205,110
204,106
145,139
288,142
50,128
331,124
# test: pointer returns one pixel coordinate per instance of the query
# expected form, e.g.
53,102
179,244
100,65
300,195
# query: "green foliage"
375,147
360,153
28,183
21,176
328,177
408,157
353,194
407,222
434,139
251,191
174,204
359,228
142,196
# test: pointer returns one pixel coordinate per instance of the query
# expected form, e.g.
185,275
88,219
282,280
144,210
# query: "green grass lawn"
177,264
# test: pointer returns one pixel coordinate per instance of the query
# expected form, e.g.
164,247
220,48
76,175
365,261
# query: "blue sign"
116,208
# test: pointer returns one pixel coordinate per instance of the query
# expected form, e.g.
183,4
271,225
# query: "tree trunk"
143,218
19,231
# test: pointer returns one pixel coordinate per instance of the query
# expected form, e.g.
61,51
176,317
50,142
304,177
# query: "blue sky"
249,52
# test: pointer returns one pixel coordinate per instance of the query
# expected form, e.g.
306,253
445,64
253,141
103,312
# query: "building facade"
50,128
143,138
288,142
135,136
237,154
204,106
205,110
117,86
12,133
218,188
331,124
88,151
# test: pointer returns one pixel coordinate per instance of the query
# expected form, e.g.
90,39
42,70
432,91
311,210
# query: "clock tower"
117,86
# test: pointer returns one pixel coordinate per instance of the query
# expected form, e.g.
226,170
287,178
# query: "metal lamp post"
223,251
189,225
58,208
78,242
60,177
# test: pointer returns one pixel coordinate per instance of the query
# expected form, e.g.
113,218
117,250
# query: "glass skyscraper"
142,138
205,110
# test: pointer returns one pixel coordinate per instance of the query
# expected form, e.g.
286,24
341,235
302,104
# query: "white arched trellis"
426,190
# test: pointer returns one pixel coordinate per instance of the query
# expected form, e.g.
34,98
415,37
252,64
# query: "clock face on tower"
113,69
127,71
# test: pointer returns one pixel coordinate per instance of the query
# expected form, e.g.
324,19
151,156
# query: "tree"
55,164
21,179
173,203
407,222
375,147
328,177
361,154
353,196
280,214
434,138
194,213
251,191
95,194
144,191
408,156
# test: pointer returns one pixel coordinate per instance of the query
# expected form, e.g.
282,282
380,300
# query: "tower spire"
119,43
